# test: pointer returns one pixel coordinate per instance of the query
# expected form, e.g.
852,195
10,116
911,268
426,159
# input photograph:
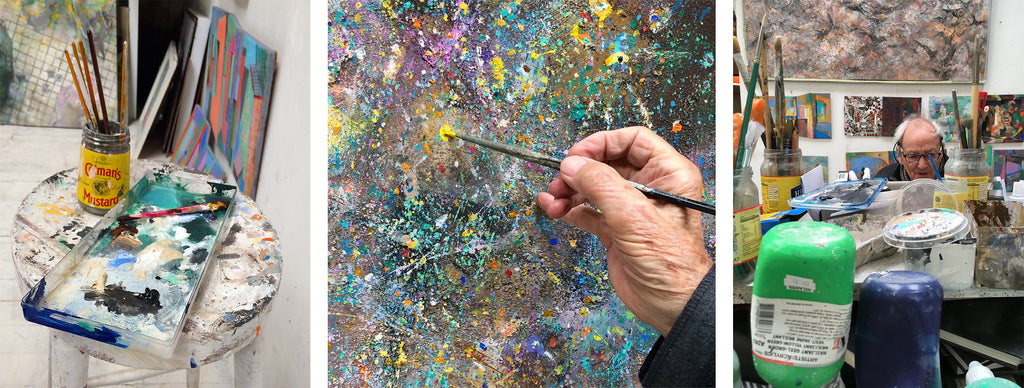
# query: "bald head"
919,136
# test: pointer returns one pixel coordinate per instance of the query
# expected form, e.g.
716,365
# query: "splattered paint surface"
443,271
865,40
230,305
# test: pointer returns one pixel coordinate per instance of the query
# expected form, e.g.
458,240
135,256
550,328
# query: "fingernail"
571,165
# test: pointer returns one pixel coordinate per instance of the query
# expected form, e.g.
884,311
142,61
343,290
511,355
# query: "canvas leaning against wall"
36,87
442,269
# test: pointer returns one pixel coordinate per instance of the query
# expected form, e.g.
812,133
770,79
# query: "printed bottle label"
777,190
977,186
746,234
798,332
102,178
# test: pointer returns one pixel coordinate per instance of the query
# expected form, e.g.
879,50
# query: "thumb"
599,184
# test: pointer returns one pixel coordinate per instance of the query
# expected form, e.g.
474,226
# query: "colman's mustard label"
103,178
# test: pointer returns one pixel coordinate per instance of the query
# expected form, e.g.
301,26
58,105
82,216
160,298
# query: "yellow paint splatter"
500,23
53,210
407,303
446,132
464,7
572,243
616,57
584,312
602,9
405,166
498,67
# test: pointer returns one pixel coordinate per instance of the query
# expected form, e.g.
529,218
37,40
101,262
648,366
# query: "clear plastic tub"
926,228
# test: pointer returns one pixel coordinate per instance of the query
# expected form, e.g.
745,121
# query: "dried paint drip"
443,271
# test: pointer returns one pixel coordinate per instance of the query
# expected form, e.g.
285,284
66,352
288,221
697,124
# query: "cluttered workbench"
223,318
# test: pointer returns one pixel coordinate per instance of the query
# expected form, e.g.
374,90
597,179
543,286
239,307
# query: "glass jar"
103,176
969,165
780,178
746,225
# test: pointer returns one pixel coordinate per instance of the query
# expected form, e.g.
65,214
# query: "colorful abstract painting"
814,116
239,75
193,150
815,161
940,109
895,110
862,116
1005,115
442,269
1007,165
856,161
36,87
912,40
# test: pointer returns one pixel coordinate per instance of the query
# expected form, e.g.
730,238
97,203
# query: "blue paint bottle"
898,330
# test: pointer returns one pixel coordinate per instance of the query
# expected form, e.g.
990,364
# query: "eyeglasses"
914,158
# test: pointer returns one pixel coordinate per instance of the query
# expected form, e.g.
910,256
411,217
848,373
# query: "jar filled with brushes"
746,225
780,178
969,165
103,173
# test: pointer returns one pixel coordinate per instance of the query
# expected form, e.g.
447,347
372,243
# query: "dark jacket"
686,358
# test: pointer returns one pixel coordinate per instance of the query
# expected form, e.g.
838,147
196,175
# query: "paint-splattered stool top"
230,305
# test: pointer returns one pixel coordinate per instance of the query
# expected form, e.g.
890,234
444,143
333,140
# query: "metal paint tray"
135,293
851,195
926,228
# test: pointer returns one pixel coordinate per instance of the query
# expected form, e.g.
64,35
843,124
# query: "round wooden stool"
224,318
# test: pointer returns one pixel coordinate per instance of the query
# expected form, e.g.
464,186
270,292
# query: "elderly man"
919,151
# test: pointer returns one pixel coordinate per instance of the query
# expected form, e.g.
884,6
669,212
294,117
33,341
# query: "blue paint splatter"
554,241
121,258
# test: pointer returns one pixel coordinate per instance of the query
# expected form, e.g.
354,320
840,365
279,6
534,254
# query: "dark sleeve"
686,358
890,172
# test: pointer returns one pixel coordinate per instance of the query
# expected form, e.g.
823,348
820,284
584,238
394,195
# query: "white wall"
284,185
1002,76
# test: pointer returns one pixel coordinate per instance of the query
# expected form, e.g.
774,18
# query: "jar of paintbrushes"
969,165
780,178
103,175
746,225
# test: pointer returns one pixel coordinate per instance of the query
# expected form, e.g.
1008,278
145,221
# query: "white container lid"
925,228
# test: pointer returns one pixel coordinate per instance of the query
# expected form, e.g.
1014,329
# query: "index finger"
636,145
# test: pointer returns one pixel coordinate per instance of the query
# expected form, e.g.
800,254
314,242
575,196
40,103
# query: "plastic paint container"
746,223
898,330
801,302
978,376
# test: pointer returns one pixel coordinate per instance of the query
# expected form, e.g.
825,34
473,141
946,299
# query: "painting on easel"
36,87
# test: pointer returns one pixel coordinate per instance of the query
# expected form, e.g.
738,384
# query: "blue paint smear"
192,362
121,258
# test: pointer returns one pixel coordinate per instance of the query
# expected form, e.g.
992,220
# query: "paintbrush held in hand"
203,207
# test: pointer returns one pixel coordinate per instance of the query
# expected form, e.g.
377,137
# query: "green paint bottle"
802,297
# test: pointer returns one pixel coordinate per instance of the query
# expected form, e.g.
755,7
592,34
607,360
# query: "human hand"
656,255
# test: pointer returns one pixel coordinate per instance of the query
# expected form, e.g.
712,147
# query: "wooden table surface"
230,305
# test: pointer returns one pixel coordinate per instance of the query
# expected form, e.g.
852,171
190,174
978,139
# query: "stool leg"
248,370
192,377
69,367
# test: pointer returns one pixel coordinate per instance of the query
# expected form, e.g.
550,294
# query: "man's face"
919,141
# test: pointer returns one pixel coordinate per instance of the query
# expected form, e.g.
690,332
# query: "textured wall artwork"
814,161
36,87
940,109
443,271
877,116
1005,119
236,94
857,40
856,161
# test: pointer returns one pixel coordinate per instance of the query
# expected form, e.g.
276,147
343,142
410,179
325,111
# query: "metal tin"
103,173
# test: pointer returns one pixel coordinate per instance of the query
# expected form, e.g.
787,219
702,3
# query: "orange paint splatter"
677,127
494,264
